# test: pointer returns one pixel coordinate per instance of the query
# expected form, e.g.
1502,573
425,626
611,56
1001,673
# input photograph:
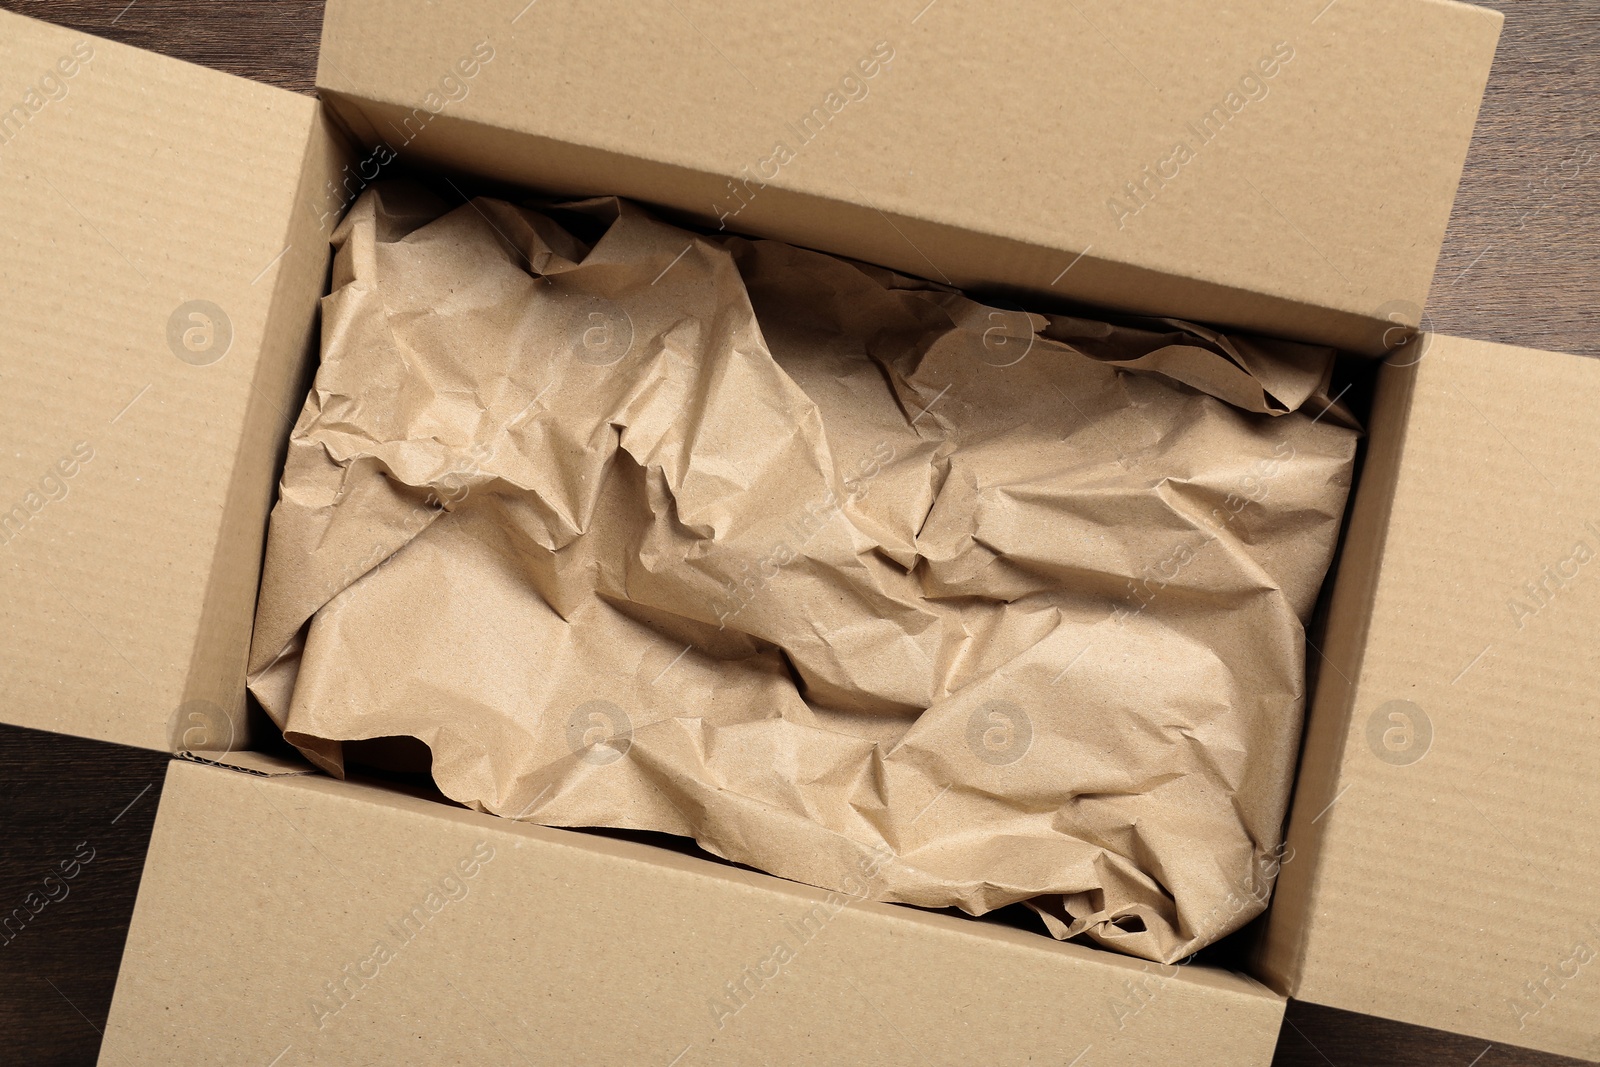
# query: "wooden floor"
1521,264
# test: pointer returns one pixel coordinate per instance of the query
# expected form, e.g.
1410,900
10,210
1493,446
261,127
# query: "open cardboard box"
166,245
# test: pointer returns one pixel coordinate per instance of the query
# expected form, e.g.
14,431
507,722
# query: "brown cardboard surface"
1446,850
974,144
565,948
1455,891
141,445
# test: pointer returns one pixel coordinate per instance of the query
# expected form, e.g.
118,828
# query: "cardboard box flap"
408,931
161,273
1286,168
1445,809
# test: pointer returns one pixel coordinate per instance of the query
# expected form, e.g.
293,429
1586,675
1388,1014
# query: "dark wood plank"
1521,260
1519,265
64,800
1314,1036
274,41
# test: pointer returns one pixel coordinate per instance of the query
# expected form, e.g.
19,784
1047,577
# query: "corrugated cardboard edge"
1279,956
257,763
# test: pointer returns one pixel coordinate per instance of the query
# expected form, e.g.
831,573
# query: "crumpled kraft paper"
833,570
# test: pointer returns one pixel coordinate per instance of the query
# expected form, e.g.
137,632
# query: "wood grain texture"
1520,266
62,797
1521,260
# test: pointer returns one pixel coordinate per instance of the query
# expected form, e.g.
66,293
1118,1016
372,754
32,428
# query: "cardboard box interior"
1425,573
729,995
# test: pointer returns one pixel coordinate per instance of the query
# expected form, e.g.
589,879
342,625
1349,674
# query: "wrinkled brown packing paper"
844,575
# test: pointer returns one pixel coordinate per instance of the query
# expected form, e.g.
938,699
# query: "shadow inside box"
404,763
